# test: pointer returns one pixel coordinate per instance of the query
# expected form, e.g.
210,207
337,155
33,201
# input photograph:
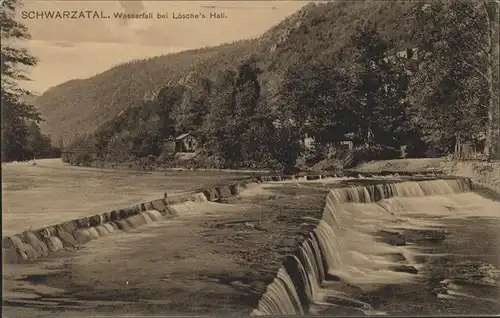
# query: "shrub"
81,159
65,157
375,152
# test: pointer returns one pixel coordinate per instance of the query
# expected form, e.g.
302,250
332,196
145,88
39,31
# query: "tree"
330,117
239,130
220,140
458,46
16,113
251,122
37,144
380,90
247,88
194,107
315,99
120,147
60,143
298,94
367,99
168,99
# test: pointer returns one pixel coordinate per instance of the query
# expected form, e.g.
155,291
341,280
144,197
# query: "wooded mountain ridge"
78,107
331,71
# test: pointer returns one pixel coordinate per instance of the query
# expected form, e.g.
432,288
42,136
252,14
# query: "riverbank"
148,166
409,165
483,174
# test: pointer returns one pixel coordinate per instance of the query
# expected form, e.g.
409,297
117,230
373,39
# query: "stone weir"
34,244
305,280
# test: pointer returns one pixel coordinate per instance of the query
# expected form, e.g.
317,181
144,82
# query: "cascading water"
306,280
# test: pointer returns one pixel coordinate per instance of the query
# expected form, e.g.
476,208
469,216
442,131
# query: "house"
341,144
184,143
346,144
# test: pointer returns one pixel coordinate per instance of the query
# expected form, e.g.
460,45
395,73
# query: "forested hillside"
79,106
328,71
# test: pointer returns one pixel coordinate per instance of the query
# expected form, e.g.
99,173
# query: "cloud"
131,7
63,44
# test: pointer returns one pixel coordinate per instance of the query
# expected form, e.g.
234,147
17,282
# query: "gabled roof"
180,137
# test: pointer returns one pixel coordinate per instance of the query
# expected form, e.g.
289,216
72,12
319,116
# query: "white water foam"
343,244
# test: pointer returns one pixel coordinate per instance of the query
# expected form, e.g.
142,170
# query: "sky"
80,48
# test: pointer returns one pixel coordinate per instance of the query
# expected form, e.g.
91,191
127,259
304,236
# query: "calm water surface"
52,191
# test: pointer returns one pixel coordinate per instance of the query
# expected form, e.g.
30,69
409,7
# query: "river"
218,258
52,191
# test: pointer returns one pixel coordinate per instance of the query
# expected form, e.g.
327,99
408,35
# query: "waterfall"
302,281
280,298
282,295
200,197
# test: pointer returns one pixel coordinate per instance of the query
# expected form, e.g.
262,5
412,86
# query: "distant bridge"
73,151
77,151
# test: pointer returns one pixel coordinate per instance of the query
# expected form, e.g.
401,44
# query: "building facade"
185,143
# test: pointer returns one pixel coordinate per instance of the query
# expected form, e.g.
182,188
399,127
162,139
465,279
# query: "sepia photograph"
250,158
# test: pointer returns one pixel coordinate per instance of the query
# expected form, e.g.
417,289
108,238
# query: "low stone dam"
280,245
31,245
